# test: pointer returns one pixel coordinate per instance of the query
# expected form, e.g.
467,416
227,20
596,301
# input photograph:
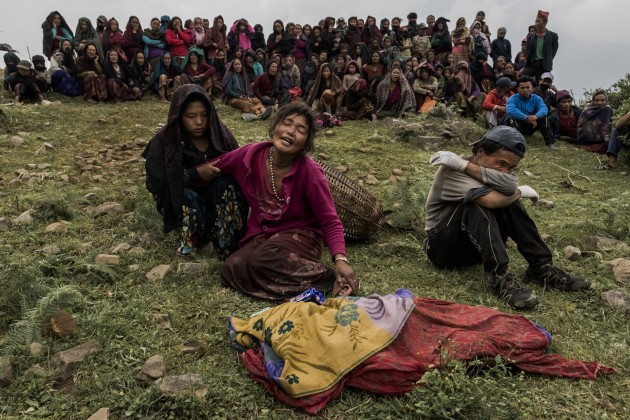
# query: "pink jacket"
308,201
243,40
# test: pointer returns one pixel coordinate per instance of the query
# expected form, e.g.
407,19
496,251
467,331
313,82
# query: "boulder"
600,243
189,383
62,325
108,208
159,272
68,360
621,270
153,369
616,298
37,349
572,253
58,227
107,259
101,414
24,218
17,141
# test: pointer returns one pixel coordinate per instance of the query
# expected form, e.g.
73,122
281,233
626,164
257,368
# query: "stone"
4,224
43,165
192,268
17,141
323,156
161,320
448,134
371,180
133,267
153,369
137,251
37,349
22,173
68,360
149,239
159,272
616,298
192,347
107,259
6,370
24,218
191,383
64,177
605,244
621,270
397,172
593,254
124,247
572,253
62,325
341,168
546,204
101,414
37,370
57,227
90,196
23,133
108,208
531,175
51,250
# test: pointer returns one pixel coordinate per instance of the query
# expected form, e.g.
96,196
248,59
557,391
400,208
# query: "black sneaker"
512,292
552,276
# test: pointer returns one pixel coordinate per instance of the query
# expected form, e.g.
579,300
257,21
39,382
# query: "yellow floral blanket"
309,347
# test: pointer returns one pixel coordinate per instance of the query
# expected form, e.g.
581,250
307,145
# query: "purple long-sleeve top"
308,202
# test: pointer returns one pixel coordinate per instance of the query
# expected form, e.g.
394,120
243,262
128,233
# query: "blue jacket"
519,108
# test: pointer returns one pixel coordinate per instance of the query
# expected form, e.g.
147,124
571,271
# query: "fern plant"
29,328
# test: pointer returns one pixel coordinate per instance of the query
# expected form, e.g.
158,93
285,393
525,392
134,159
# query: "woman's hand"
208,172
346,282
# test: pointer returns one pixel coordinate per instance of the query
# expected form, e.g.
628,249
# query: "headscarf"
154,35
51,33
139,71
479,33
244,82
161,69
407,99
463,75
365,53
108,36
164,153
335,84
594,122
129,38
11,61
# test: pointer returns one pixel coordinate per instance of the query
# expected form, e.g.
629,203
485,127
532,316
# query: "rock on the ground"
6,370
153,369
149,239
51,250
101,414
60,226
24,218
183,383
62,325
137,251
192,268
37,349
123,247
161,320
371,180
546,204
17,141
397,172
593,254
4,224
68,360
159,272
605,244
107,259
133,267
621,270
110,207
572,253
616,297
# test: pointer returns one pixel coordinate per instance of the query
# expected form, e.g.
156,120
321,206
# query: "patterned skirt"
215,213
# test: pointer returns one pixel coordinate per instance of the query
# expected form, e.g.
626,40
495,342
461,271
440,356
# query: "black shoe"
267,113
512,292
552,276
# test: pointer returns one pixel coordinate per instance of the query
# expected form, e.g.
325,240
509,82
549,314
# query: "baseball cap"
507,137
504,82
24,64
38,58
547,75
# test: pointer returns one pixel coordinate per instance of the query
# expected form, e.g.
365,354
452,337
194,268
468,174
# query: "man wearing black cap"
564,119
42,76
474,207
23,84
412,26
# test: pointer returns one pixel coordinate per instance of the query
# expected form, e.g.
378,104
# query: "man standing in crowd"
542,47
527,112
501,46
474,207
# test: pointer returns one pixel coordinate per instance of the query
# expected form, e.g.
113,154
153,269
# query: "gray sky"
590,55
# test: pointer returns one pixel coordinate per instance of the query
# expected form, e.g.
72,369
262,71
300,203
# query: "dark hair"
270,63
524,79
303,111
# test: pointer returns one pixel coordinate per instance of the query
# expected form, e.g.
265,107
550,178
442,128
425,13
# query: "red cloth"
434,326
178,42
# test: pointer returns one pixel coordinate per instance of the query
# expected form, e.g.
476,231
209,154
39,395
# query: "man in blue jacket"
527,112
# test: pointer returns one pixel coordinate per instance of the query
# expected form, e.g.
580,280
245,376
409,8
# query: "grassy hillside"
95,158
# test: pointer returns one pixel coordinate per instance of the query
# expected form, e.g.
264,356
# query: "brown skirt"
95,87
279,267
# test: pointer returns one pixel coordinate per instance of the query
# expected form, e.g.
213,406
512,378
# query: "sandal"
185,251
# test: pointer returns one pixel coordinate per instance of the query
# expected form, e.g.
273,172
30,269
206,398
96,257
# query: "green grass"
118,303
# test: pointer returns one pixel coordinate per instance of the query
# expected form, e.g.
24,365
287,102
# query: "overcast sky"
590,55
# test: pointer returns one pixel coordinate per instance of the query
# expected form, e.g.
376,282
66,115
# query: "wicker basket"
359,211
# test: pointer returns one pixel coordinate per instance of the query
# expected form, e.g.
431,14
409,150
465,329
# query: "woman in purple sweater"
292,215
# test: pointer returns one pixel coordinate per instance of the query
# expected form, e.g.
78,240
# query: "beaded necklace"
273,180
